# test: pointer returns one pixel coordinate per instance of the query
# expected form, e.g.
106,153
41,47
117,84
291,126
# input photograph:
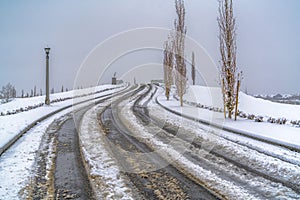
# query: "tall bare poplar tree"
179,44
229,75
193,68
168,65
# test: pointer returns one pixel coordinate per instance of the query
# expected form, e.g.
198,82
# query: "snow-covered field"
283,134
248,104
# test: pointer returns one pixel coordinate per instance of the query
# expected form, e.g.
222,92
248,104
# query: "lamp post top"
47,50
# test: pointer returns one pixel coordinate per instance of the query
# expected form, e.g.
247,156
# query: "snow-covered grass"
248,104
285,135
11,125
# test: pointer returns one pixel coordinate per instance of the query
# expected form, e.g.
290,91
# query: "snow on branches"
179,45
229,75
168,65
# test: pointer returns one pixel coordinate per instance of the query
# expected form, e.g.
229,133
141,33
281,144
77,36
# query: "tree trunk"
230,114
237,99
168,93
181,101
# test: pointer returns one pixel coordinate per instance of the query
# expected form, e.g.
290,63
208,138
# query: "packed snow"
106,178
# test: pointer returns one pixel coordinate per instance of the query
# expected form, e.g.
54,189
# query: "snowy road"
27,166
248,163
229,169
149,173
153,150
132,148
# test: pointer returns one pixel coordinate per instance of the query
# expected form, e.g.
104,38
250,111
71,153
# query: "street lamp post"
47,100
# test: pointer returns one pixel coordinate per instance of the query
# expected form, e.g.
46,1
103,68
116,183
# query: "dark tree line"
9,91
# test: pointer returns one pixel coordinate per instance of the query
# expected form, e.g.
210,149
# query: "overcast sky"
268,38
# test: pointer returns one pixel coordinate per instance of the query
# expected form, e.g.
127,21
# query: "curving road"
160,183
60,171
229,165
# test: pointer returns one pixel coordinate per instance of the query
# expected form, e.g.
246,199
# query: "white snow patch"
105,175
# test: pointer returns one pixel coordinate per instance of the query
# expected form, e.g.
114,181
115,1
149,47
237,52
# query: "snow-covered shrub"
219,110
259,119
242,114
251,116
296,123
281,121
272,120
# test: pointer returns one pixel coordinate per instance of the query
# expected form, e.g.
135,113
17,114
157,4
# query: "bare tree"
7,92
22,94
179,44
193,68
62,88
168,65
229,74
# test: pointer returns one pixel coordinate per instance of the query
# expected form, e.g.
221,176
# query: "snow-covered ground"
247,184
248,104
106,178
18,103
283,134
11,125
17,164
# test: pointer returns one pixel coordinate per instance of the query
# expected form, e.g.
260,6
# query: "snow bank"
248,104
285,135
105,175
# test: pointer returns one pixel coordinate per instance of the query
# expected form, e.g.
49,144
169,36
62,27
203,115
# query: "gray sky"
268,37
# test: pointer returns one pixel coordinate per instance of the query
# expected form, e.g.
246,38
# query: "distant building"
114,81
